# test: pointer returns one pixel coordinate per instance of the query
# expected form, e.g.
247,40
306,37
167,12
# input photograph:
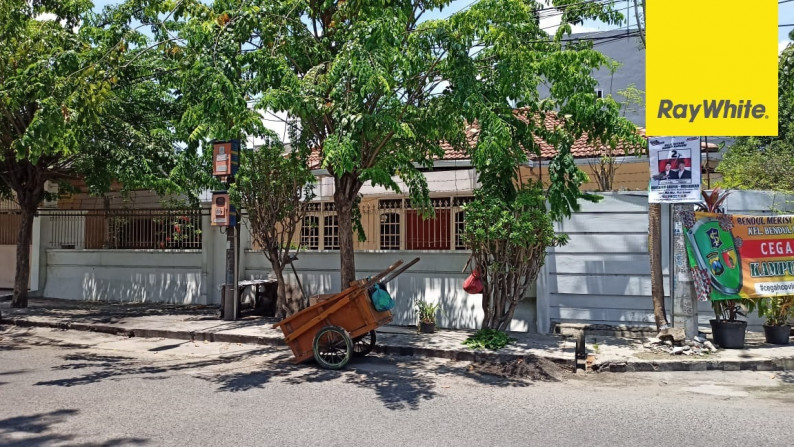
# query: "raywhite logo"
723,108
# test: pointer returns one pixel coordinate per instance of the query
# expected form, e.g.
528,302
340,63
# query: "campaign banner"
736,256
675,169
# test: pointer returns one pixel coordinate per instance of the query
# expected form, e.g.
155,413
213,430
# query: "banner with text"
741,256
675,169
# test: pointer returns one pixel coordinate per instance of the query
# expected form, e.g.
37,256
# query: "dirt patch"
528,368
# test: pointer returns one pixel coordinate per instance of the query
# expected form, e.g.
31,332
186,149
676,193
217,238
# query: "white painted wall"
437,278
601,276
131,276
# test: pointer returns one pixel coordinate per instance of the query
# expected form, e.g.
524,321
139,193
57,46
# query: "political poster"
675,169
736,256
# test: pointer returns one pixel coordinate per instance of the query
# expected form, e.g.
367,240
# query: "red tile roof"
580,149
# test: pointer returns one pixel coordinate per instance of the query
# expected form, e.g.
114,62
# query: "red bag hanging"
473,284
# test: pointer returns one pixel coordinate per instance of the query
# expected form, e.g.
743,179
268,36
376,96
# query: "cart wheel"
332,347
364,344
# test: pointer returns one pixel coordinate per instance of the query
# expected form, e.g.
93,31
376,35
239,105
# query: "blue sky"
785,11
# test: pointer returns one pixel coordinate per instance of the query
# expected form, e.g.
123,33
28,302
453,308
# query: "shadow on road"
40,429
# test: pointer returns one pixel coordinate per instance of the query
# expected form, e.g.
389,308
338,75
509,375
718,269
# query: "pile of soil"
528,368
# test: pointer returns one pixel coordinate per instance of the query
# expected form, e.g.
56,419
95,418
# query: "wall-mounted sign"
675,169
222,213
225,158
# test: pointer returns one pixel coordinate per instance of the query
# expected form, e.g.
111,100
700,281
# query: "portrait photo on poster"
674,166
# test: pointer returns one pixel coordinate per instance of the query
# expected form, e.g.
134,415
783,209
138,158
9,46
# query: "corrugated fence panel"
602,276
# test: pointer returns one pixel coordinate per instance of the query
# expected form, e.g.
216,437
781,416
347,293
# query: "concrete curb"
629,365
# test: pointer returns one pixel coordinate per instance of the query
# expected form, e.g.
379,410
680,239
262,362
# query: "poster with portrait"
675,169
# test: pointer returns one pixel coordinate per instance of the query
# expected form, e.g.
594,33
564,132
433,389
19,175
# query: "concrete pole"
685,310
230,285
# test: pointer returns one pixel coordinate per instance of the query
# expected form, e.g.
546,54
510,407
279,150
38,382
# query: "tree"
372,89
605,166
274,188
766,162
654,216
508,242
77,101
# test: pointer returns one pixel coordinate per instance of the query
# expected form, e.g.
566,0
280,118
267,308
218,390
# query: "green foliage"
488,339
78,100
777,310
730,310
766,163
373,88
493,224
508,239
427,311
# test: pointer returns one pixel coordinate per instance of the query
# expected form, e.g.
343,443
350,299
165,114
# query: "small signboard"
222,213
225,158
675,169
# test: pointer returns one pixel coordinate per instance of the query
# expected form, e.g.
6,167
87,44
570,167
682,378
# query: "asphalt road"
78,388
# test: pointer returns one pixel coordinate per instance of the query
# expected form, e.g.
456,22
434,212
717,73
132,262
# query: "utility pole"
685,310
230,298
225,161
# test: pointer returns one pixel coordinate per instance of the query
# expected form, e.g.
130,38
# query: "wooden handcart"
341,326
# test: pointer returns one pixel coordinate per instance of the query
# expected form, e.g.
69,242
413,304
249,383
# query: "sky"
785,16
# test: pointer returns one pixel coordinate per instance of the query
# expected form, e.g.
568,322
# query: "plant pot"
728,334
777,335
427,328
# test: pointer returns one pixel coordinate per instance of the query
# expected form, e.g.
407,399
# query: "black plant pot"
427,328
777,335
728,334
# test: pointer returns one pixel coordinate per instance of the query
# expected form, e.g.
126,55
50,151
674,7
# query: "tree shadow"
104,367
39,429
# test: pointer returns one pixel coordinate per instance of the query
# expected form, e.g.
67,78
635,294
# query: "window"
310,233
331,232
460,221
599,93
390,231
460,224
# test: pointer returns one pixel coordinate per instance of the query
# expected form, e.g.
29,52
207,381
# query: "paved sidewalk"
200,323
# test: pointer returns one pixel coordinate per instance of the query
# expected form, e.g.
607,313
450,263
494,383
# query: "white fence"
601,276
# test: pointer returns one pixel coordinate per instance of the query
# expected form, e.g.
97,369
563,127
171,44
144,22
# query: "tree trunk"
282,309
655,252
345,193
24,237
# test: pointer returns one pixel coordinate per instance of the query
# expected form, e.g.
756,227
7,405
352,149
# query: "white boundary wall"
601,276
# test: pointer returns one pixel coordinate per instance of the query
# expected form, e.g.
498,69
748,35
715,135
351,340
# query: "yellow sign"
711,67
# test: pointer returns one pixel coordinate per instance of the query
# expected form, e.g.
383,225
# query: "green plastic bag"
381,299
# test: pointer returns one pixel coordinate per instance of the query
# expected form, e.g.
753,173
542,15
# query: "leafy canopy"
766,163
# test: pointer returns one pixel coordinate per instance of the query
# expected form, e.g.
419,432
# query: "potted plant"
427,316
777,311
727,330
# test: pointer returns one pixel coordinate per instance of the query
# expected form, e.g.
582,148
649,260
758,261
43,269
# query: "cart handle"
400,271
